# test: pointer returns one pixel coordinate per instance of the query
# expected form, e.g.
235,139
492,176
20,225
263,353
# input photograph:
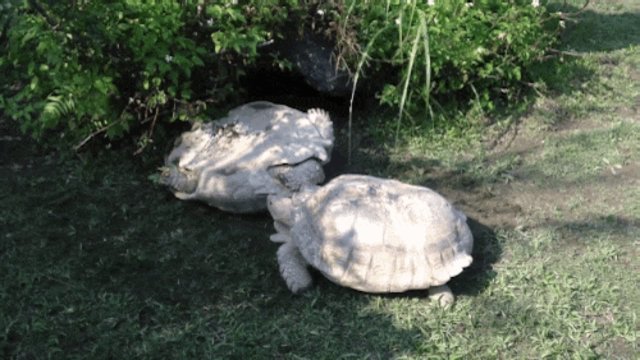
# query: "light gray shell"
260,148
378,235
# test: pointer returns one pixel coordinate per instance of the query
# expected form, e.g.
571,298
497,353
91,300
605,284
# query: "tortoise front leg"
293,268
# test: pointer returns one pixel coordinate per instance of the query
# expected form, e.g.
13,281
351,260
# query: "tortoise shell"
378,235
260,148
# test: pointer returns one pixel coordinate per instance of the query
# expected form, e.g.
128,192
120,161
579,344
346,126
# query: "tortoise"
371,234
260,148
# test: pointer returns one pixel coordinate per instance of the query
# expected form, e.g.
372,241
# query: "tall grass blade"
412,58
427,65
363,60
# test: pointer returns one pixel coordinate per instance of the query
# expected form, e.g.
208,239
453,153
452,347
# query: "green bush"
103,67
478,51
85,68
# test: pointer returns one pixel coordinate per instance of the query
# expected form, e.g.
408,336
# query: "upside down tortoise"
260,148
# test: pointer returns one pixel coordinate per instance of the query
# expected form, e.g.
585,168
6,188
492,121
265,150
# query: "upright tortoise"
371,234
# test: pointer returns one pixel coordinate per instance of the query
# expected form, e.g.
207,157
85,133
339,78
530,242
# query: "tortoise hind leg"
294,176
293,268
442,294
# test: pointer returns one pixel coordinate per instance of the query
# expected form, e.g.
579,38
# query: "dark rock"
313,57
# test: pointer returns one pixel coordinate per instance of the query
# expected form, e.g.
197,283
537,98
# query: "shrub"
99,67
86,68
478,50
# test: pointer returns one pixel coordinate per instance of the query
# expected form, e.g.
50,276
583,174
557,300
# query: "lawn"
97,261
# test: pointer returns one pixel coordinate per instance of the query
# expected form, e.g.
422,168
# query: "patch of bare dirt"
487,206
524,200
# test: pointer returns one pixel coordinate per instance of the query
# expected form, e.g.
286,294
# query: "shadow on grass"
597,226
99,262
601,31
487,250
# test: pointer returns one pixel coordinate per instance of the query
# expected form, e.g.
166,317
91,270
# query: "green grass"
96,261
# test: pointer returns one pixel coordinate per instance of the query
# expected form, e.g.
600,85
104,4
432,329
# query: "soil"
519,202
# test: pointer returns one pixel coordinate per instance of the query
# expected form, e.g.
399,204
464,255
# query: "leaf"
34,83
516,73
196,60
102,85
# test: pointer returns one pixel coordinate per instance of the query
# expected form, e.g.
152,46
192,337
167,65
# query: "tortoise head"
281,208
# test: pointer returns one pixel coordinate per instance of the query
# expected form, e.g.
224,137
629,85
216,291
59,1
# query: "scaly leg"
294,176
293,268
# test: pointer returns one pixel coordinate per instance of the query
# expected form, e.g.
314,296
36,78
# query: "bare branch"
101,130
93,134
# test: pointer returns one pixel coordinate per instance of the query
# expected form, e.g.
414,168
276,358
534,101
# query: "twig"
101,130
533,86
149,134
153,123
583,8
93,134
555,52
568,16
